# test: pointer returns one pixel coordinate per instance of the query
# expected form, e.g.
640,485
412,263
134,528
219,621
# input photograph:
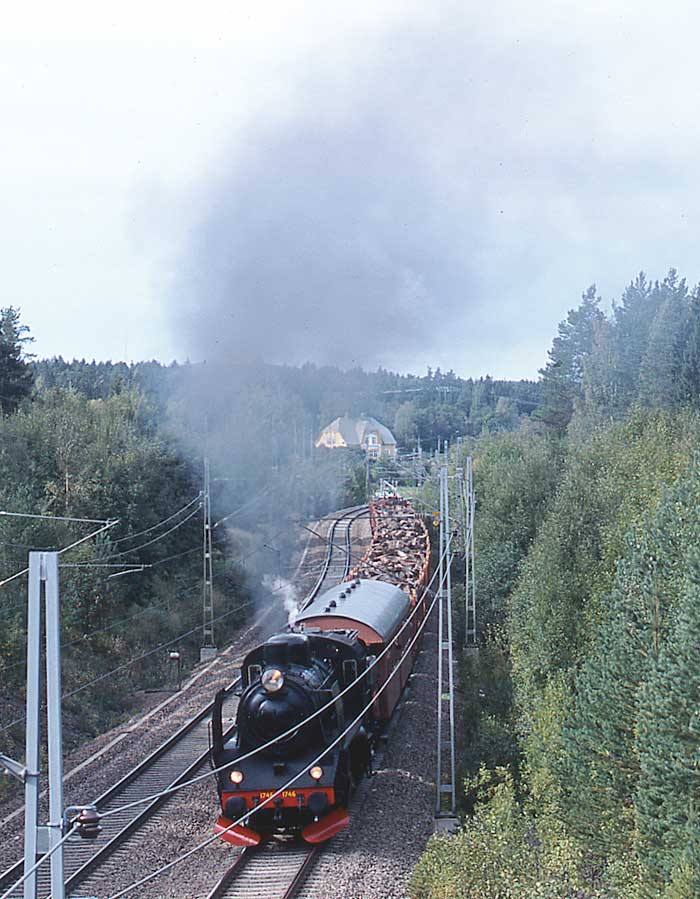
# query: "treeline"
645,353
63,456
581,713
423,411
134,590
103,440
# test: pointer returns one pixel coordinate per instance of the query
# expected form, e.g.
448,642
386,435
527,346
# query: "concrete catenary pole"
208,650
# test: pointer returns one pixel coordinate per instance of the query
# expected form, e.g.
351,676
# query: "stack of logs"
400,548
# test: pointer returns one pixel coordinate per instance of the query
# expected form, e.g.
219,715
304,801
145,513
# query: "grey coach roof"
378,605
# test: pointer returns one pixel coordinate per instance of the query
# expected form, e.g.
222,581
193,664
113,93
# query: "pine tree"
668,739
16,378
685,876
600,768
598,771
690,366
632,323
562,378
660,367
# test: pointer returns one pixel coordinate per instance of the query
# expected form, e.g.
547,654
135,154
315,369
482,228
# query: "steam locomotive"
303,688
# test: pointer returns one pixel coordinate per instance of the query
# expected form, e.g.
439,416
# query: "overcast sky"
370,183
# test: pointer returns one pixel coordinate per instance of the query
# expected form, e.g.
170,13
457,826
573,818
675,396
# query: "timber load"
400,549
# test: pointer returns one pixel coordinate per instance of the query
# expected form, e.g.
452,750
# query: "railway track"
338,560
277,869
180,757
274,870
172,762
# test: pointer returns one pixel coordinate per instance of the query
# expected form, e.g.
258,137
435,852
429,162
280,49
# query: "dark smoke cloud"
368,221
319,245
326,239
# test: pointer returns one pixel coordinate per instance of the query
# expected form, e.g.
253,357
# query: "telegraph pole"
208,648
467,504
31,784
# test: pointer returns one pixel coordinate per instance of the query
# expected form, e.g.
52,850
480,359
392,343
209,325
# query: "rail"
160,771
163,767
278,868
346,520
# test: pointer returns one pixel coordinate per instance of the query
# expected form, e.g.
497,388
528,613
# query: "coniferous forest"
581,709
582,769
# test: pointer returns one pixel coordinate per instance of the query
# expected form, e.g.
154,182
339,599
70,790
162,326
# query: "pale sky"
191,181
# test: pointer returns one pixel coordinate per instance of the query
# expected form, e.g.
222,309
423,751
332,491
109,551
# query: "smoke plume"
347,231
284,588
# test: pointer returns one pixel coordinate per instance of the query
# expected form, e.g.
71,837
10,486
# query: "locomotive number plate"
285,794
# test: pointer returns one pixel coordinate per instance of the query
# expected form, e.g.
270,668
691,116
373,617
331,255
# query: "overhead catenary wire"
198,549
28,546
38,863
129,566
144,655
291,781
237,560
102,630
143,532
133,661
245,505
33,548
154,607
186,552
126,552
65,549
91,683
54,517
293,729
159,524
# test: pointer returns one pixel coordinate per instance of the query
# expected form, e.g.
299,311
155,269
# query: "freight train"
315,697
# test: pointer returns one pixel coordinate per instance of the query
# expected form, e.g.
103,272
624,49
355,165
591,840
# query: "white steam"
290,600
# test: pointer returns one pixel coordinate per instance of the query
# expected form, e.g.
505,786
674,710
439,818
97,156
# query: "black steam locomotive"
286,680
348,656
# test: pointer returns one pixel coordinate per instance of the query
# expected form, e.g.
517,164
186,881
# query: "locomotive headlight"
272,680
236,777
316,772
